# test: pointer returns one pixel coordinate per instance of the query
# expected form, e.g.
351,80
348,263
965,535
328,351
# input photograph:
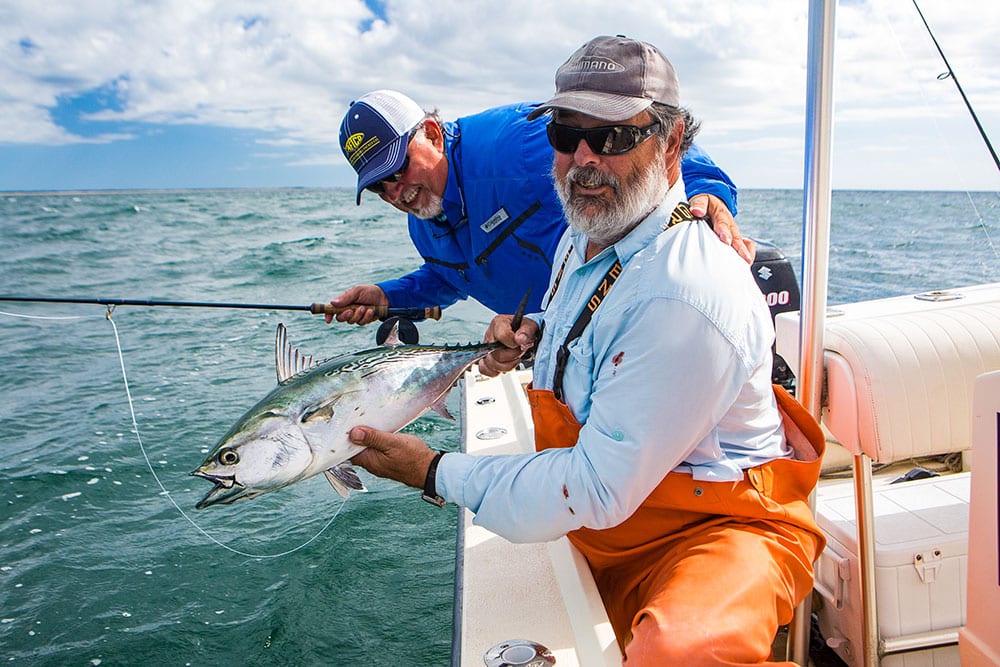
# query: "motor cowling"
776,280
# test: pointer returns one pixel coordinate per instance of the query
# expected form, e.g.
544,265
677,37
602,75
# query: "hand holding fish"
369,295
516,344
400,457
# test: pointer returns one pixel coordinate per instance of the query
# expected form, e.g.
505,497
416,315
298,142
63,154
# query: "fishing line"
142,448
145,456
947,146
951,74
43,317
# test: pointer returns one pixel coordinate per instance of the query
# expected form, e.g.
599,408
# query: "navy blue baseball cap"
375,133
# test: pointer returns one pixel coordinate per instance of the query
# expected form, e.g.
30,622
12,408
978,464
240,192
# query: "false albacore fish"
300,429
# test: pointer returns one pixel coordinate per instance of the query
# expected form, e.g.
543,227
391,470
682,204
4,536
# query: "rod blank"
382,312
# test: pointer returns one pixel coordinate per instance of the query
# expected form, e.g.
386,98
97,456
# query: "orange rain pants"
704,573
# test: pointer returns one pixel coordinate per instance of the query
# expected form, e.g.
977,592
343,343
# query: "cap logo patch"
353,142
361,146
597,64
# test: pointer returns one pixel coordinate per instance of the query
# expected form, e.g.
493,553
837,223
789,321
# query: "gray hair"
667,116
430,115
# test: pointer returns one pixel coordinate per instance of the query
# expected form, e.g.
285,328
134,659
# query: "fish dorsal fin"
288,361
392,340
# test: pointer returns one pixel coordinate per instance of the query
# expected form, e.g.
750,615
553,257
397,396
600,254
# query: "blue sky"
107,94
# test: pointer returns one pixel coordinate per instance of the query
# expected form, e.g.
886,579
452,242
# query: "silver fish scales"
300,429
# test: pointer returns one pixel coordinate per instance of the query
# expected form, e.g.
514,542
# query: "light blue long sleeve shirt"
672,373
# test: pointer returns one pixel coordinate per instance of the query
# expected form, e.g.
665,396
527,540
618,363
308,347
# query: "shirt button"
698,491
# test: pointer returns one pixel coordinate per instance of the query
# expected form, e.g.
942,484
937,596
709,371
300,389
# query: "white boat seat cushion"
900,373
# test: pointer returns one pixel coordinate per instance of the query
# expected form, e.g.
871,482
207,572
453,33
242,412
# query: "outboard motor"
776,279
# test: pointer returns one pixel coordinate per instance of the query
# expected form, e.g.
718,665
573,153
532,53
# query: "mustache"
591,177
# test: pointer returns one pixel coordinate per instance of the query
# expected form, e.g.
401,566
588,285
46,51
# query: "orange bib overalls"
703,573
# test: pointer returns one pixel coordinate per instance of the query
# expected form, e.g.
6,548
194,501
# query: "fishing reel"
407,333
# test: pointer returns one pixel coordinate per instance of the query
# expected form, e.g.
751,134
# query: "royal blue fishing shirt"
502,218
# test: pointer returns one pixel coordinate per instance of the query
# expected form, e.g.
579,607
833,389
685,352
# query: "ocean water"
103,558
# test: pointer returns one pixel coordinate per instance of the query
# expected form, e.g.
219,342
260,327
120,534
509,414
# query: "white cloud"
289,69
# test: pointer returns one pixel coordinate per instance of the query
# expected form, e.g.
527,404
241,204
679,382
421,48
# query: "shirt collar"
453,201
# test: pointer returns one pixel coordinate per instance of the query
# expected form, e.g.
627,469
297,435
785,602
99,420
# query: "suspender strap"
562,355
555,283
680,214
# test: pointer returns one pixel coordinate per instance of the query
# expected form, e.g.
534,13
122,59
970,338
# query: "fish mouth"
226,490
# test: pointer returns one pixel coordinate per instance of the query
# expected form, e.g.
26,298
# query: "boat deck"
538,592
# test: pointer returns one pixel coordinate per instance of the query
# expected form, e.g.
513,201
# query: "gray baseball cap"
613,78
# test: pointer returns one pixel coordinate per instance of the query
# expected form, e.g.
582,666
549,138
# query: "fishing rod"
951,73
381,312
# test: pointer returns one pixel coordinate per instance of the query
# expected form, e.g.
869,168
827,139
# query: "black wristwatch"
430,483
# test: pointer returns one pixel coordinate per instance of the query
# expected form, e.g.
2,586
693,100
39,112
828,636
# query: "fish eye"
229,457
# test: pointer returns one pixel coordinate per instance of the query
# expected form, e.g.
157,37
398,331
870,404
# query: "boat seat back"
900,371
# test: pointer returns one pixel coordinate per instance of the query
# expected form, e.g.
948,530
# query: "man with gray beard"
482,211
603,219
664,453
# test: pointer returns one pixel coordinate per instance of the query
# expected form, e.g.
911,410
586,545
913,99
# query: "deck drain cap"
519,653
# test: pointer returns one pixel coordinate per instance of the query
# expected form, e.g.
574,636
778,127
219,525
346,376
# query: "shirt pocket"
581,355
578,376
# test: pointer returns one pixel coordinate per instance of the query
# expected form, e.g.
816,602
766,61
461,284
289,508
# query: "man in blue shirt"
482,210
664,453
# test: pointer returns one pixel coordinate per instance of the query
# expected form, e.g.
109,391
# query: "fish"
300,429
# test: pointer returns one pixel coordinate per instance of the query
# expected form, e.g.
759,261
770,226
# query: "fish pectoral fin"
440,408
324,411
344,478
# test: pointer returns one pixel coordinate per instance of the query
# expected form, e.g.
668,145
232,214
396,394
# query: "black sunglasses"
606,140
378,186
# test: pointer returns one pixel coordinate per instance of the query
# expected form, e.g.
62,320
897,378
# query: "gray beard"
433,209
610,218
